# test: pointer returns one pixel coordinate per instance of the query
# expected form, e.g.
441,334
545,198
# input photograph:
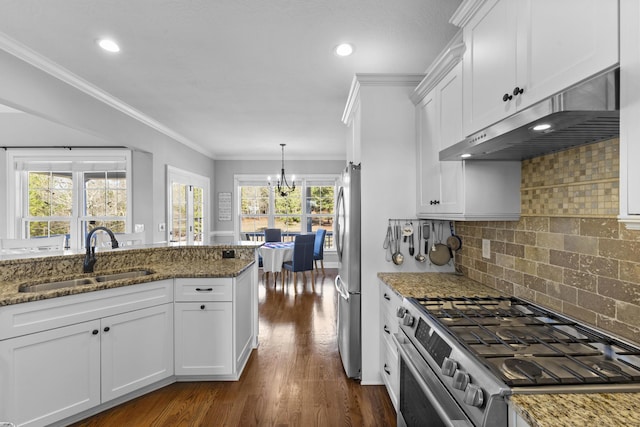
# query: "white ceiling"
234,78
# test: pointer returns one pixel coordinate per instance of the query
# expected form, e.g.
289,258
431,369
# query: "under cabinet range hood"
586,113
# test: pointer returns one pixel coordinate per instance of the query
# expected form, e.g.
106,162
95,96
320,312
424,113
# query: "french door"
188,207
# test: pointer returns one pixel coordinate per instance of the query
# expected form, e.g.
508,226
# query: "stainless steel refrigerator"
347,238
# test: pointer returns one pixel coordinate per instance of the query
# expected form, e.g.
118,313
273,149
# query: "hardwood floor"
294,378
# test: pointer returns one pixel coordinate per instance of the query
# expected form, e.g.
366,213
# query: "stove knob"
460,380
474,395
400,311
449,367
407,320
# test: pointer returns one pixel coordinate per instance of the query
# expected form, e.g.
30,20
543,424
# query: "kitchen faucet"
90,257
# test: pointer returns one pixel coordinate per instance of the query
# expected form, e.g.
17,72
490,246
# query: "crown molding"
373,80
465,12
445,62
44,64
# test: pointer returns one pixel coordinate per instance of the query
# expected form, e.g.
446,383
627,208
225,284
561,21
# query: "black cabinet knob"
106,329
506,97
202,307
386,369
434,202
518,91
95,332
387,297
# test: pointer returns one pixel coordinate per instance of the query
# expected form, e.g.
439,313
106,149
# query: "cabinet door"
51,375
427,150
439,124
449,101
204,338
490,64
137,350
577,40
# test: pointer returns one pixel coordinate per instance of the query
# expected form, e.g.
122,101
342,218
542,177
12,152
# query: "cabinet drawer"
205,289
389,300
390,371
388,324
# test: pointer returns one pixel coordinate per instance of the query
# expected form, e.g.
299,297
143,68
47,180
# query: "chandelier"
282,186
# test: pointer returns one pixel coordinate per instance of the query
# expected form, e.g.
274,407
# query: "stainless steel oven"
461,357
422,396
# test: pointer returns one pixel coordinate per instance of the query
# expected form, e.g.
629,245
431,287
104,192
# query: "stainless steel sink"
82,281
120,276
41,287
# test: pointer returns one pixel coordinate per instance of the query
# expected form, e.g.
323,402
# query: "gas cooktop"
526,345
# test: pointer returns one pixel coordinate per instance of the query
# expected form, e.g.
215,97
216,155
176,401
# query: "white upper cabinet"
456,190
629,113
522,51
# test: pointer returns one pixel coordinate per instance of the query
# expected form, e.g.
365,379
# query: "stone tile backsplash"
567,252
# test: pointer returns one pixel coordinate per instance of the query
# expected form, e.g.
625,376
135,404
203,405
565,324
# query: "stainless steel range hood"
584,114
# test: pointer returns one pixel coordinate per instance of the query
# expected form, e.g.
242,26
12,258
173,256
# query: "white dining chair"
55,243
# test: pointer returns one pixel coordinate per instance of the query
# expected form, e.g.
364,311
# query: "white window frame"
260,180
77,160
180,176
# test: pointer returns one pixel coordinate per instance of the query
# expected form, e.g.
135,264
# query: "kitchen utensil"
397,257
425,236
440,253
411,247
454,242
388,242
419,256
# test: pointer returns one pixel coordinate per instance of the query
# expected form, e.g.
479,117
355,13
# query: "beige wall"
568,251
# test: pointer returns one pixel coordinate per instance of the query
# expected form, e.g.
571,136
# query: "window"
306,209
68,192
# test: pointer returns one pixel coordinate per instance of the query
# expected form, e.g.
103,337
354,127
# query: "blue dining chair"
302,258
318,249
273,235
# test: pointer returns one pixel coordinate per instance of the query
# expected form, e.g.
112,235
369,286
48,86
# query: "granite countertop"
163,263
412,285
572,410
539,410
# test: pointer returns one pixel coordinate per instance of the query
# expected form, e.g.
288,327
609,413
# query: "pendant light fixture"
282,186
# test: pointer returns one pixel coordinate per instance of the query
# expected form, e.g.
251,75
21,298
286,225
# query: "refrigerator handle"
343,293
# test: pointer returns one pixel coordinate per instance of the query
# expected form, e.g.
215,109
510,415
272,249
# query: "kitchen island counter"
538,410
162,262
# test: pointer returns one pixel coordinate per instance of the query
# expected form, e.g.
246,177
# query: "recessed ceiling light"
344,49
465,156
541,127
109,45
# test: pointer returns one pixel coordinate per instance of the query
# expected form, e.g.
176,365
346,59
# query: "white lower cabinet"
204,340
389,302
137,350
53,374
50,375
214,326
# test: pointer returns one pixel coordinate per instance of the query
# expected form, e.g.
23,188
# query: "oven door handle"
450,414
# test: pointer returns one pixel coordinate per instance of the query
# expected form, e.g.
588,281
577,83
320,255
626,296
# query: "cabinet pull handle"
387,297
202,307
506,97
106,329
386,369
95,332
386,329
204,289
434,202
518,91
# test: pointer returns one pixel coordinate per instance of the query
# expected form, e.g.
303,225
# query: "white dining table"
274,254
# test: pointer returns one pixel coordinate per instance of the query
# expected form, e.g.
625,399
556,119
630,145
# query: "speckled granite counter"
539,410
163,262
573,410
434,284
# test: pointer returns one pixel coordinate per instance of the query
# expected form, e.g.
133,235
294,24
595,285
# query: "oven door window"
417,408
